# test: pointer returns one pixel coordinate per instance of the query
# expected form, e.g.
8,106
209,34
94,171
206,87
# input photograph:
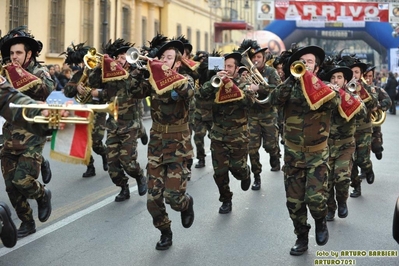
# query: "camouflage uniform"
169,150
98,132
363,139
305,153
21,156
341,144
202,121
229,138
384,103
121,142
262,122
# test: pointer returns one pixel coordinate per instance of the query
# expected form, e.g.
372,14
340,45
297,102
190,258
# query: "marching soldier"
363,124
21,156
262,118
229,133
307,125
81,92
122,133
384,104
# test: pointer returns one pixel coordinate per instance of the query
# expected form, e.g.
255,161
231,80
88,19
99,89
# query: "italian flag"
73,143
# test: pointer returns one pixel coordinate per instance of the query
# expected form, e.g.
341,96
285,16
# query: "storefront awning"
234,25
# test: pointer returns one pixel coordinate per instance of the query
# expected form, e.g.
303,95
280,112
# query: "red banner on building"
331,11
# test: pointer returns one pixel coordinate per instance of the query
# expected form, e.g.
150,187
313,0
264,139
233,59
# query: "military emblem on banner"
163,78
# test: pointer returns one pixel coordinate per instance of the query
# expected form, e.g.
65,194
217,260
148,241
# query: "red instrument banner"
315,91
349,105
162,78
21,79
332,11
228,92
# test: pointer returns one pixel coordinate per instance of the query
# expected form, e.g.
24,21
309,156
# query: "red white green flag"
73,143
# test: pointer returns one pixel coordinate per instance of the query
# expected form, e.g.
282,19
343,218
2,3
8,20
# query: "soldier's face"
338,79
18,54
169,57
369,77
310,62
257,60
121,59
230,67
357,73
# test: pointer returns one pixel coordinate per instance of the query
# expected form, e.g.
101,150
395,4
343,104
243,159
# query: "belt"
339,142
313,148
230,132
169,128
368,125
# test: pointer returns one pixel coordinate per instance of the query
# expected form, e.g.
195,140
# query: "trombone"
55,119
92,58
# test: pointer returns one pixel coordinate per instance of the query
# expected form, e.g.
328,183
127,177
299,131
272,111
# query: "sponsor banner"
332,11
265,10
394,12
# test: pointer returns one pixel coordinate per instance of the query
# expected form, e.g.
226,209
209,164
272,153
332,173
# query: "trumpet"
92,58
352,85
298,69
133,56
54,119
216,81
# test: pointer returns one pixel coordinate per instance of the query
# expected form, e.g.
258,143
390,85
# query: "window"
144,30
88,23
156,26
198,40
178,30
104,18
126,22
189,34
57,23
18,13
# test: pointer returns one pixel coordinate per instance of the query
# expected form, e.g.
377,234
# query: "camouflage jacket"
306,131
17,139
70,89
384,101
340,128
363,120
14,115
229,116
128,107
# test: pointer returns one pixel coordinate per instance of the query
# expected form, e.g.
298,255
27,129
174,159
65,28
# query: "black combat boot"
142,185
246,183
90,171
26,228
44,205
166,240
301,245
124,194
187,216
321,232
8,234
46,171
275,163
256,185
342,210
105,163
330,216
226,207
144,137
370,177
357,191
200,164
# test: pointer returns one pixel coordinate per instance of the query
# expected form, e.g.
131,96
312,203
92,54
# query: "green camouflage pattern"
384,103
305,173
168,153
340,159
262,122
229,149
21,155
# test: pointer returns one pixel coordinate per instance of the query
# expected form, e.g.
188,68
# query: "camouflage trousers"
167,179
20,174
305,187
201,127
340,162
376,140
122,156
361,157
98,133
229,156
262,130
